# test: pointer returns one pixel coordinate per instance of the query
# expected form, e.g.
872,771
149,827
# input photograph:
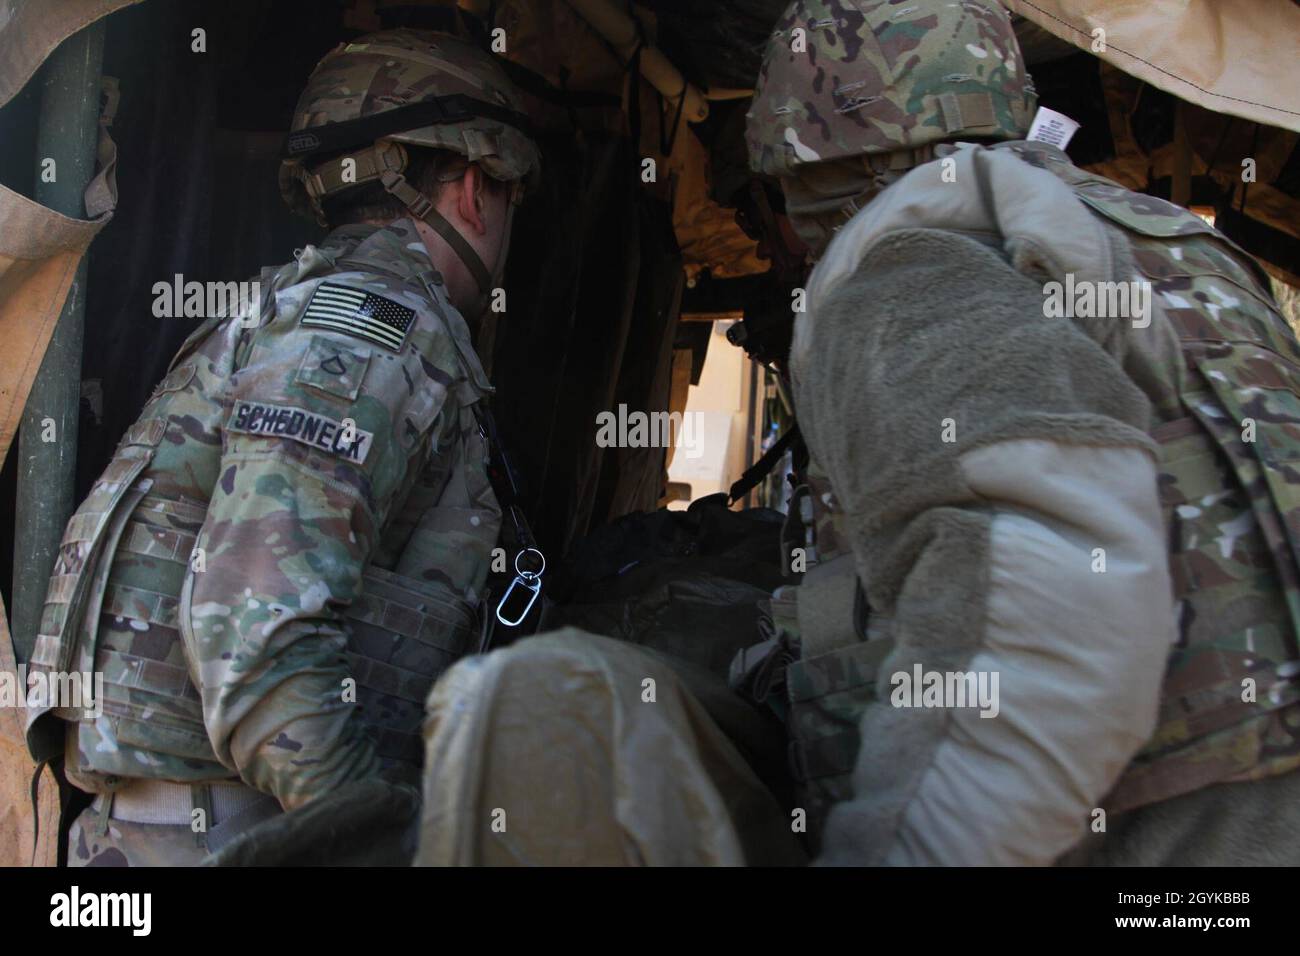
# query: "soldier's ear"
470,201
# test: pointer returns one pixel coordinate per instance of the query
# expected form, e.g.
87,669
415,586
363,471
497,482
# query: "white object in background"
1052,127
712,440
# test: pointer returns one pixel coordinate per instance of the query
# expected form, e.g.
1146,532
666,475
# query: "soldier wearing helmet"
1054,616
370,130
290,543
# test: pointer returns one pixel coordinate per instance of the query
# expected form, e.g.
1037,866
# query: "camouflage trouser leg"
97,841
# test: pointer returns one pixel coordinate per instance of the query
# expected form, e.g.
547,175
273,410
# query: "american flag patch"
360,314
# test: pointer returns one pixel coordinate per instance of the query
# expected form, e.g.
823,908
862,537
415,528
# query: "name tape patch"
360,314
318,431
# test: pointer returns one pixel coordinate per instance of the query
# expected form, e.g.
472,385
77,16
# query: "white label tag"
1051,127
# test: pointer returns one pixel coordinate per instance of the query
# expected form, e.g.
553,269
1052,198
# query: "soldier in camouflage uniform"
290,543
1096,503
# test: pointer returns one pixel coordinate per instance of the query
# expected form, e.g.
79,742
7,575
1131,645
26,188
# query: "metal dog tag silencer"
528,584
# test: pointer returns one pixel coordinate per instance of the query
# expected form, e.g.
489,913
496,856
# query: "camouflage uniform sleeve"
324,433
998,489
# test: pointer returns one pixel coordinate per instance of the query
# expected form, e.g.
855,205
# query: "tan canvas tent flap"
31,29
39,248
16,770
1240,57
39,254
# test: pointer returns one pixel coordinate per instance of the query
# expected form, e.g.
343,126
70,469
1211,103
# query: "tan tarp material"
1240,57
39,248
39,253
31,29
572,749
16,770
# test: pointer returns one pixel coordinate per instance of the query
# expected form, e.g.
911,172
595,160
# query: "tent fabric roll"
40,250
1240,57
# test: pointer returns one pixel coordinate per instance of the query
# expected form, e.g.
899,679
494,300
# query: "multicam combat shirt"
208,571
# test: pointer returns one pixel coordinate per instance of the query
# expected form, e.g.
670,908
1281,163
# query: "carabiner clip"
531,580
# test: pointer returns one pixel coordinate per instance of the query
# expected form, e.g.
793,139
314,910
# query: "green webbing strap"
367,165
422,207
829,610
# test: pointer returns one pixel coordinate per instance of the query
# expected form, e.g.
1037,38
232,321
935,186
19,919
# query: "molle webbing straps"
403,633
422,207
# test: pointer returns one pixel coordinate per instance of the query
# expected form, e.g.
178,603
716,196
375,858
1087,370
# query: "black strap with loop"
668,135
760,469
34,791
435,111
515,608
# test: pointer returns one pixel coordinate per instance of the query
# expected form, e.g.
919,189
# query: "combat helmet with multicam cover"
885,78
368,97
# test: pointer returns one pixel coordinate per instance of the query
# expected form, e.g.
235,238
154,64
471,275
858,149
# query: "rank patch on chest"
361,314
341,438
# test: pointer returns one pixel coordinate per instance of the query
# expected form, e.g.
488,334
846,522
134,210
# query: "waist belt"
228,808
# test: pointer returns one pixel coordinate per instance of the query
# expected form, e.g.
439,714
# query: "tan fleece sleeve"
1076,566
991,462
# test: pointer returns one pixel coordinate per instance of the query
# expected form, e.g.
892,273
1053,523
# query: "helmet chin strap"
499,270
422,208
